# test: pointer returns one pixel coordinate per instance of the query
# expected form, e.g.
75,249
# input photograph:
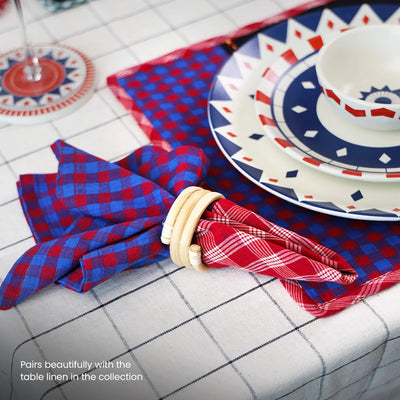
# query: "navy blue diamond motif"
357,195
256,136
292,174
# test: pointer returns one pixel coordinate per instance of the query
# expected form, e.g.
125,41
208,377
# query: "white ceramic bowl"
359,73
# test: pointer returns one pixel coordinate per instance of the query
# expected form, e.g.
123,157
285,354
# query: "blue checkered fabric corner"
94,218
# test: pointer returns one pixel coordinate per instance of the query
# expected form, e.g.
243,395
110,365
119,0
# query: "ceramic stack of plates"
272,122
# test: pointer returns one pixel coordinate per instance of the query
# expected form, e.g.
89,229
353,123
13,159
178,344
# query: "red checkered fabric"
232,236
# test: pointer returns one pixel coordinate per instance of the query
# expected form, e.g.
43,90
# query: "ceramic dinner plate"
240,133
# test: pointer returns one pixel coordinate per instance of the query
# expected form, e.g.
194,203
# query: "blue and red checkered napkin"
94,219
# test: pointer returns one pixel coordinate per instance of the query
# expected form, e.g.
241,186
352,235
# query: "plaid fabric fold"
232,236
94,219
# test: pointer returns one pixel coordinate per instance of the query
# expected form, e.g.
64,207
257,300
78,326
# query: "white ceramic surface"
359,74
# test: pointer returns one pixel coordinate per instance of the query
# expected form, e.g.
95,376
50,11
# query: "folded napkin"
232,236
94,219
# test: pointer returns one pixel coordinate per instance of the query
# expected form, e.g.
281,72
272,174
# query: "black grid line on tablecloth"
383,349
109,317
326,374
240,357
37,345
304,337
102,305
262,286
203,325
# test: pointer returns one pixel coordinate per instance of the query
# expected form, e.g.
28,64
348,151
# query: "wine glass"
41,83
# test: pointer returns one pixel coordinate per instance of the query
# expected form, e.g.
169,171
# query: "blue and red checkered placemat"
168,97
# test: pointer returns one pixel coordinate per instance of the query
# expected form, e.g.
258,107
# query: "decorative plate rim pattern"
232,95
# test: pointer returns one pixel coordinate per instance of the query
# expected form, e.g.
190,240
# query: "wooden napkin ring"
181,223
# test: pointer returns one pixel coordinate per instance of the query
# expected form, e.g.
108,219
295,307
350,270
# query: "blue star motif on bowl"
381,96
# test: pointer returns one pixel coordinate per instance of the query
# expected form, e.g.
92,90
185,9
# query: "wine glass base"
67,81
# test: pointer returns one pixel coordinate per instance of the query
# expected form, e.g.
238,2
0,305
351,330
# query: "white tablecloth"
163,332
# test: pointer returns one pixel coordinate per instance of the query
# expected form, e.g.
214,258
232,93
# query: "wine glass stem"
32,67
